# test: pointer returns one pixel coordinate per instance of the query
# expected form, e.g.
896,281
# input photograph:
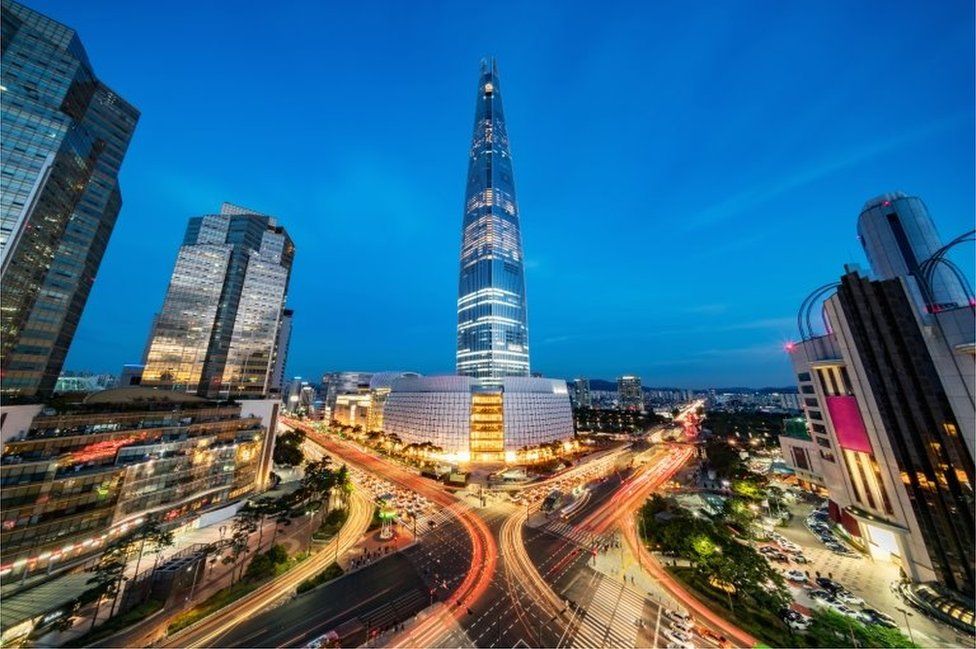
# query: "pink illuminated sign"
851,433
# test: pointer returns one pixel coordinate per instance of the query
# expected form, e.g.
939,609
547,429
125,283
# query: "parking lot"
863,577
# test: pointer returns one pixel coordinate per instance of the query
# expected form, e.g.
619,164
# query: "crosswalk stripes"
582,538
396,611
438,516
610,618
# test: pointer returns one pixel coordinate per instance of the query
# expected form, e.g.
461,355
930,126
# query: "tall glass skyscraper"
218,333
493,337
64,136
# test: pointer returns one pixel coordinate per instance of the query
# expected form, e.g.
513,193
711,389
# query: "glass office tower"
64,136
493,339
218,331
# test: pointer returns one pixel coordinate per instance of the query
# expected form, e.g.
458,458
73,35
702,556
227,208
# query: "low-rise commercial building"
80,476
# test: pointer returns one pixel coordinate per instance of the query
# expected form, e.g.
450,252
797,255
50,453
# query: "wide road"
484,552
380,594
206,632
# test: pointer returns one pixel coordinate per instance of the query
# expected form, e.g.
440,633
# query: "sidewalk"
620,564
216,576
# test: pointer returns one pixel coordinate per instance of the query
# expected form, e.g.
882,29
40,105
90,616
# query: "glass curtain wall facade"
898,235
218,330
64,136
493,339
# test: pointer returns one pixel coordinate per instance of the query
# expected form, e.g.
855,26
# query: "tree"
245,524
149,536
288,448
107,577
831,629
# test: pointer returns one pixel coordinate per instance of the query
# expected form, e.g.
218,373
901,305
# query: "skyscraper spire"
493,336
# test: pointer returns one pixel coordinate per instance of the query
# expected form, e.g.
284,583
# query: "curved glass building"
898,235
493,338
469,423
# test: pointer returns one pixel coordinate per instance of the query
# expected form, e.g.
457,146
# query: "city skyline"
620,283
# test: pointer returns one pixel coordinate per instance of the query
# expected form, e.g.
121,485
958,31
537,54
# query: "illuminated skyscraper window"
218,331
493,339
64,135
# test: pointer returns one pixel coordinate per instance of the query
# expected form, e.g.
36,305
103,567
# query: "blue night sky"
687,172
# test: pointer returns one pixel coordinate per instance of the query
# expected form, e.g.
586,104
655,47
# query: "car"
677,616
796,575
848,597
789,614
800,558
674,644
828,584
822,596
677,636
834,546
844,610
873,616
768,549
798,625
708,634
779,557
685,626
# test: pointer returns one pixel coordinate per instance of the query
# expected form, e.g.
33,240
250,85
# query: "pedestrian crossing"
579,536
391,613
611,619
438,516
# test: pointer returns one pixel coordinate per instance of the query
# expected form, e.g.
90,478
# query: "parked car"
800,558
822,596
848,597
872,616
677,636
796,575
686,626
829,585
798,625
677,616
674,644
844,610
779,557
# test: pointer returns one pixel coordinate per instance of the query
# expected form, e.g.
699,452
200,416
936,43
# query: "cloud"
752,198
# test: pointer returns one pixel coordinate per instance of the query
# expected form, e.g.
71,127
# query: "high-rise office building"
493,339
630,393
336,383
281,351
581,393
221,320
888,395
64,136
898,236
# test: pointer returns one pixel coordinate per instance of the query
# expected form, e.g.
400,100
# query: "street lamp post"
907,624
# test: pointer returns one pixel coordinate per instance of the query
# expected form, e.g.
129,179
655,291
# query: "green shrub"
330,573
